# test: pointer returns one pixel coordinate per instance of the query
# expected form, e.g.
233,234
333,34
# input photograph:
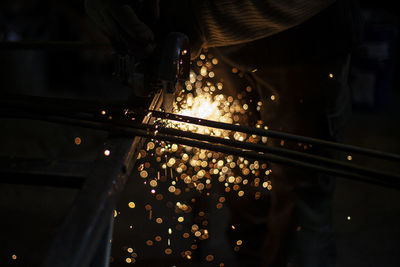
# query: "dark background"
369,238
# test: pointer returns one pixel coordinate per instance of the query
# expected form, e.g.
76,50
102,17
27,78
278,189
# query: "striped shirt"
230,22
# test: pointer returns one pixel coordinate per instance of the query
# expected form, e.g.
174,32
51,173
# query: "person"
135,25
301,50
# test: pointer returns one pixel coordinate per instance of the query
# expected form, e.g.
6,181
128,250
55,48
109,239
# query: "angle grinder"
163,72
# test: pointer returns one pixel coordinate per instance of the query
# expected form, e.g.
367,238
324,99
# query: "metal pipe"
384,179
53,45
264,148
245,145
72,106
275,134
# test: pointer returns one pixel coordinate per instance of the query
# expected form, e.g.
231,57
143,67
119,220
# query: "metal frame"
83,239
88,225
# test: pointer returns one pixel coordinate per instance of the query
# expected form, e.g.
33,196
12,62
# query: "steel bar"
246,145
383,179
54,45
319,160
275,134
264,148
69,105
74,106
375,177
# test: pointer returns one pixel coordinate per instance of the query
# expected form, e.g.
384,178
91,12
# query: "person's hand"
119,22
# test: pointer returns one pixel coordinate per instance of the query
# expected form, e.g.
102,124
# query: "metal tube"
275,134
53,45
245,145
61,104
380,178
264,148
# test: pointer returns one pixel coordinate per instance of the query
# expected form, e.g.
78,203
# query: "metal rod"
53,45
264,148
275,134
245,145
72,105
385,179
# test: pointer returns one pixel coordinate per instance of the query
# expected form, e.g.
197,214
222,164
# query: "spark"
143,174
77,141
193,169
209,258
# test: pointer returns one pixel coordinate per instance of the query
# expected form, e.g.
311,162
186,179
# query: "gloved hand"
119,22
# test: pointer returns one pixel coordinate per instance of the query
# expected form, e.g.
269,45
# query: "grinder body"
166,69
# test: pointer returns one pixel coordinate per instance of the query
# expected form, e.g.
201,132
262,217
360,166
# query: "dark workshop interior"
142,229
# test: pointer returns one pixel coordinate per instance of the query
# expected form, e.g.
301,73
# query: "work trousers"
290,225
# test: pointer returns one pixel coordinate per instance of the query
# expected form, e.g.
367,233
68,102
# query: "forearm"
230,22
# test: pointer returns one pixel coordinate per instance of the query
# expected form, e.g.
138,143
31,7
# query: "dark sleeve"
230,22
